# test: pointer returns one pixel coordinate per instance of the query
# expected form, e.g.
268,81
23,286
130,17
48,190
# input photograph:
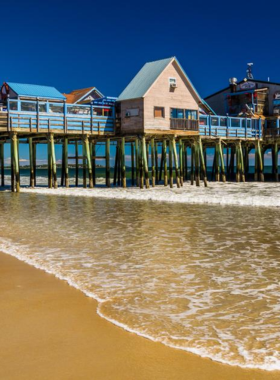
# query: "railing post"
91,118
8,113
37,111
65,116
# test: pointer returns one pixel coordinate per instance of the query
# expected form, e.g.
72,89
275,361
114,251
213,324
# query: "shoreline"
52,330
248,194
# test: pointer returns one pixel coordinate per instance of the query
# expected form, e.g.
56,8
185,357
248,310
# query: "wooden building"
160,99
83,96
253,97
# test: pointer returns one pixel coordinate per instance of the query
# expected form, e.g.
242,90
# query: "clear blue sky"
72,44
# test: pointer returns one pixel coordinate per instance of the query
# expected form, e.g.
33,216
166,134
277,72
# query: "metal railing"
224,126
42,116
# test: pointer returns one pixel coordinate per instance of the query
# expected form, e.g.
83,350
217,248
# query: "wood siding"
161,95
133,124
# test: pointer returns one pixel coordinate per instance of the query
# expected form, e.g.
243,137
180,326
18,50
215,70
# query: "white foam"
239,194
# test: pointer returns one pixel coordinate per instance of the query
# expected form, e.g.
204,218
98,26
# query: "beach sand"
50,330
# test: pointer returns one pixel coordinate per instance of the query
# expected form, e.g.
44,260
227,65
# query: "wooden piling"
66,167
261,174
197,179
145,160
186,162
192,162
2,158
217,162
256,174
116,165
202,162
141,167
156,162
177,173
153,162
238,164
137,161
275,161
76,163
31,162
93,162
123,167
50,164
53,161
12,166
108,181
223,173
170,154
62,177
181,162
35,161
164,153
89,161
16,161
84,165
132,164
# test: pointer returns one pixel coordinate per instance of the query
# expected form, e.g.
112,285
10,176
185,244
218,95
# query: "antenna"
249,71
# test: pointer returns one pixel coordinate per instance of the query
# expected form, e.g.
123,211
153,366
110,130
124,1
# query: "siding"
133,124
160,95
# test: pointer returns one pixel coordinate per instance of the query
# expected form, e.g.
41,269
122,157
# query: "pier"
156,126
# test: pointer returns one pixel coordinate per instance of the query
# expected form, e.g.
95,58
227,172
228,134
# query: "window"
172,82
159,112
42,107
13,106
54,108
131,112
28,107
178,113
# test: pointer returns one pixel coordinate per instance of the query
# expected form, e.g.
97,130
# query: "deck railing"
224,126
42,115
184,124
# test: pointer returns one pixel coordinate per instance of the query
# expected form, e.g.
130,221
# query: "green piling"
170,154
145,161
153,162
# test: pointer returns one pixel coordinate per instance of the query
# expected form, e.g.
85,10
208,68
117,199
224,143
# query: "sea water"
204,278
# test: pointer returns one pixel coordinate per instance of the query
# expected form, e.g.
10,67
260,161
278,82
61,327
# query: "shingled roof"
77,95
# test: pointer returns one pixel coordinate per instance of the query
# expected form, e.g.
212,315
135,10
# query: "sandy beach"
50,330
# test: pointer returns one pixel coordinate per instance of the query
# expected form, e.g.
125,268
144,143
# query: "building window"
130,112
173,82
178,113
159,112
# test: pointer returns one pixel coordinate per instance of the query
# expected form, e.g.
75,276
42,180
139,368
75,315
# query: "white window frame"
172,80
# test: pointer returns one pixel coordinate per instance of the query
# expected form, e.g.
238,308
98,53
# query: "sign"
277,95
247,85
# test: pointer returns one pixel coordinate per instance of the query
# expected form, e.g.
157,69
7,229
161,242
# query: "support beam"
153,162
202,163
145,161
165,162
217,162
181,162
170,154
12,166
275,151
256,175
31,162
53,161
192,162
93,162
132,164
2,158
261,174
197,179
89,163
156,161
16,161
137,161
116,164
66,168
123,167
177,173
50,164
84,165
108,180
223,173
77,163
35,161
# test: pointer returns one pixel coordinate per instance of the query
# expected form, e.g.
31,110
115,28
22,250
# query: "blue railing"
224,126
44,115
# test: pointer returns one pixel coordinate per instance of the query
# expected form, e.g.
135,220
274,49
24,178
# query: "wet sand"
50,330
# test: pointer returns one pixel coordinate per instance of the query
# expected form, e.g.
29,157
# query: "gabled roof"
77,95
146,77
141,83
35,91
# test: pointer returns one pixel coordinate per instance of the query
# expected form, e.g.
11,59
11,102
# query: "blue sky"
74,44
